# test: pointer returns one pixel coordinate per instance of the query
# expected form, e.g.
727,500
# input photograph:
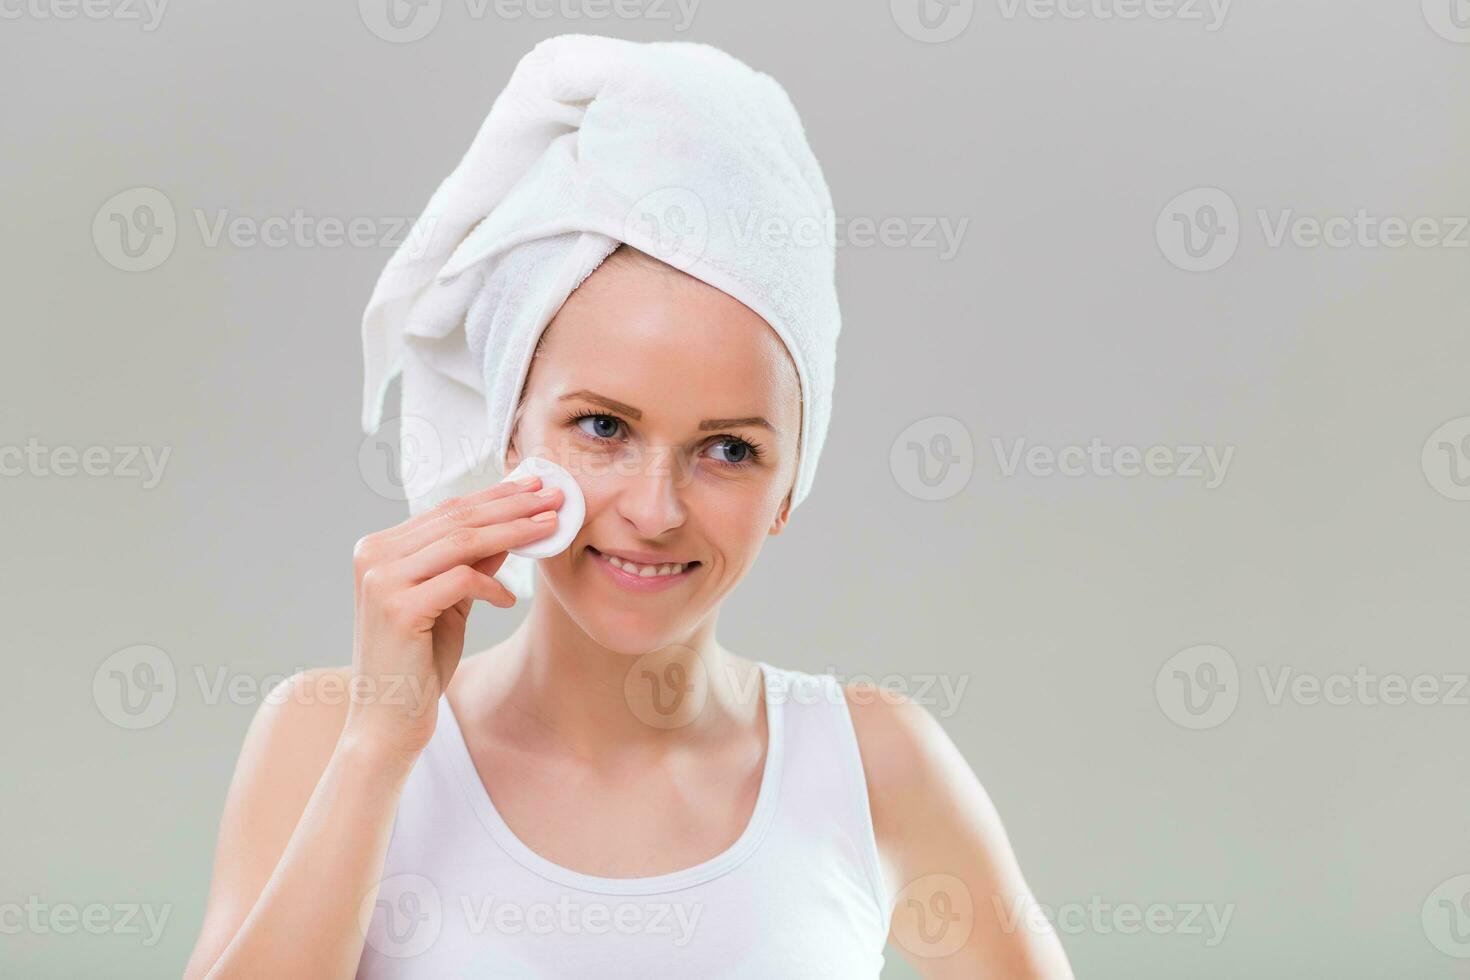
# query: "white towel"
676,148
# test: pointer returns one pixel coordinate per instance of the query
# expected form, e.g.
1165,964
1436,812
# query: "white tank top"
800,894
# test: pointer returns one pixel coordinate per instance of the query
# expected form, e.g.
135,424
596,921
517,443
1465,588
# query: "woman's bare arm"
304,831
964,909
310,810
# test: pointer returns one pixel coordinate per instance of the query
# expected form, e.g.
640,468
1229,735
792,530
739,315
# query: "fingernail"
527,481
545,515
546,492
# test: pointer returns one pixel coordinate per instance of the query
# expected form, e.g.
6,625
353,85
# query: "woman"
609,791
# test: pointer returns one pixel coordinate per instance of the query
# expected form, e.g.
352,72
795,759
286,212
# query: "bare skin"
646,355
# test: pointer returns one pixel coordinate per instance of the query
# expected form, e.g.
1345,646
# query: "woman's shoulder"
286,749
898,738
294,731
310,705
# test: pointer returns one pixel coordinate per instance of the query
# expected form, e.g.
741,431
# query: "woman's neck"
552,684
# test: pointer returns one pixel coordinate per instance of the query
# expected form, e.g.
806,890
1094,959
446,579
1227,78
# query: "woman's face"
677,410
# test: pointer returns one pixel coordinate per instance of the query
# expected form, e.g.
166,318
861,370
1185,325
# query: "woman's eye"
599,426
736,451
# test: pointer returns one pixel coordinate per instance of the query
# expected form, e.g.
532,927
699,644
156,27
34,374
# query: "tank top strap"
824,775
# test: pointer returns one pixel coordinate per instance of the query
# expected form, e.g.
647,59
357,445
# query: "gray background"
1055,600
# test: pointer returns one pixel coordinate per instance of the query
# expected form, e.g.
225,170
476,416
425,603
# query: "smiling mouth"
661,571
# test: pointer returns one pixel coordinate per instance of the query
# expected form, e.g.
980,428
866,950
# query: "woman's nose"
650,497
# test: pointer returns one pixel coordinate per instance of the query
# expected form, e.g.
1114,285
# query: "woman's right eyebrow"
611,403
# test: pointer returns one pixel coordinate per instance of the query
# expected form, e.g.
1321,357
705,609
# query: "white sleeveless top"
799,895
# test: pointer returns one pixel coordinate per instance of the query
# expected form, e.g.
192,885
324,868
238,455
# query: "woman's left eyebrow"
635,414
734,423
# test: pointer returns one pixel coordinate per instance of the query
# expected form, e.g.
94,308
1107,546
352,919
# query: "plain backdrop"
1065,613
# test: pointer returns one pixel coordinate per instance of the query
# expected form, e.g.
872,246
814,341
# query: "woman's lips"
641,583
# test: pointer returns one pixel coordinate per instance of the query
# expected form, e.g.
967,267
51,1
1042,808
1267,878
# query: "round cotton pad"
570,515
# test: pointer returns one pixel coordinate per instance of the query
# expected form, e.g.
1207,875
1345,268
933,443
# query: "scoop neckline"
478,796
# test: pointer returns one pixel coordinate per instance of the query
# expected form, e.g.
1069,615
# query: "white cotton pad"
570,515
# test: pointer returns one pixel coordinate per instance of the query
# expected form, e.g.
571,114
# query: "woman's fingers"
427,601
475,511
502,502
469,544
458,505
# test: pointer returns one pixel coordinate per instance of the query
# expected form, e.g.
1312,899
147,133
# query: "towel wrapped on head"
675,148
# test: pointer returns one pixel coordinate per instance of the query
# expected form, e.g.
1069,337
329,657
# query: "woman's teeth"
645,571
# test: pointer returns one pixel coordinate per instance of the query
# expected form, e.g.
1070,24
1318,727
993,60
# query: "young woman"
609,792
729,843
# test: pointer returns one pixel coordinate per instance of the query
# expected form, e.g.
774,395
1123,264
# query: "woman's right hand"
415,585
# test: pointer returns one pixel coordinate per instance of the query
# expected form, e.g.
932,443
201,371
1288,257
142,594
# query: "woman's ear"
783,515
